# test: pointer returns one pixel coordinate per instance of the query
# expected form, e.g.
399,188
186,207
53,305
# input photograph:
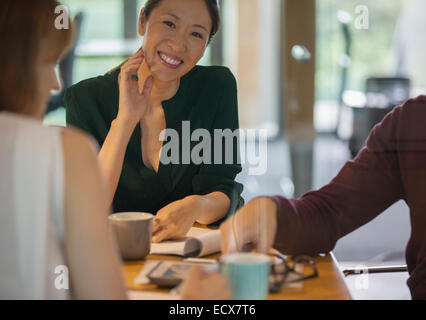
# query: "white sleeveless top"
31,210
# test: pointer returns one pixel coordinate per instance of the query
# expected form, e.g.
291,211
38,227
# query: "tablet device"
171,273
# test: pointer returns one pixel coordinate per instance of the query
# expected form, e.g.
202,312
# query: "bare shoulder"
80,155
75,139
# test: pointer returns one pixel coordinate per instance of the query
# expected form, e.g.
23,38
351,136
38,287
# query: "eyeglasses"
299,268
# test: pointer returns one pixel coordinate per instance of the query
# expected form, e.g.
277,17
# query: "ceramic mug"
247,275
133,231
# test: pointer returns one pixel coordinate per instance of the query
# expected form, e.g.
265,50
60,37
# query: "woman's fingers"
133,59
137,58
157,225
125,75
166,232
161,235
133,63
128,77
132,105
137,61
147,87
131,68
137,55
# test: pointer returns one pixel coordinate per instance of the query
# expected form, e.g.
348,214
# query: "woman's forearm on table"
211,207
111,156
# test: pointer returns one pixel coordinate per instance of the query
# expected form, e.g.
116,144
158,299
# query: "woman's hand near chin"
132,107
132,103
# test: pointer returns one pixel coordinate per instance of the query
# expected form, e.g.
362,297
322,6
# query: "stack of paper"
198,242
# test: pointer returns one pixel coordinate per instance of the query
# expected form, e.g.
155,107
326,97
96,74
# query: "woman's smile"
176,34
170,61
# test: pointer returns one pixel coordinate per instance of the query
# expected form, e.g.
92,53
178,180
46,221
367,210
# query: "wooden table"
329,285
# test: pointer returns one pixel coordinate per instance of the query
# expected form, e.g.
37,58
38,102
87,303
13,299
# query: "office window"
372,29
251,49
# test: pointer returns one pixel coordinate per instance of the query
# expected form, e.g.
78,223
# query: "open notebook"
198,242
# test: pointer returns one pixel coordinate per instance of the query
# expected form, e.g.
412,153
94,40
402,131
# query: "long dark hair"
212,6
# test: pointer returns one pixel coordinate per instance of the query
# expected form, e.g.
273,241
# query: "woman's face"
176,35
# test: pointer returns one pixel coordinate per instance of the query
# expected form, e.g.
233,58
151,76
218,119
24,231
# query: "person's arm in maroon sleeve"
364,188
411,139
392,166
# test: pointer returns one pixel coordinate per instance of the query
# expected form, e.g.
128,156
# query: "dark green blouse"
207,97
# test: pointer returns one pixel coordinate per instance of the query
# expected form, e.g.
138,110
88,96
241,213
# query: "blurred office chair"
66,66
382,95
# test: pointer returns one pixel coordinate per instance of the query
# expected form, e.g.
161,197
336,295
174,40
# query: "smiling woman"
187,33
126,117
212,7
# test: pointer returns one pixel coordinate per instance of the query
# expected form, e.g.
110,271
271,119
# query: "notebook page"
198,242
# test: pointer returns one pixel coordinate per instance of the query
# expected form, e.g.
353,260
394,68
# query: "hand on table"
174,220
253,227
199,286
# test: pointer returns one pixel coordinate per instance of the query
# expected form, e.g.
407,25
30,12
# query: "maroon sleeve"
411,139
364,188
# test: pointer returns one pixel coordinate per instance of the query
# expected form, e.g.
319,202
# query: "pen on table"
200,260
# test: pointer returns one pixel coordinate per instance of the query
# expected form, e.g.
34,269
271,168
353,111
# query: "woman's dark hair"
212,6
27,33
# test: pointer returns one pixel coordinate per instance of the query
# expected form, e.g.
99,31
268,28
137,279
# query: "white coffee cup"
133,231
